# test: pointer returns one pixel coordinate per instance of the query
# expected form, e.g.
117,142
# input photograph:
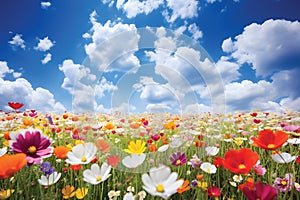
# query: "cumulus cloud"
228,70
194,30
132,8
44,44
182,9
268,47
46,59
104,86
17,41
108,45
4,69
45,4
21,90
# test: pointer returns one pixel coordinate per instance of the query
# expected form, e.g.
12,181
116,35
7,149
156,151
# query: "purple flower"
194,183
259,169
195,161
33,143
46,168
178,159
284,184
260,191
291,128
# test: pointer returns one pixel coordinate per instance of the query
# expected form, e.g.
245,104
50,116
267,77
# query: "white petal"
160,174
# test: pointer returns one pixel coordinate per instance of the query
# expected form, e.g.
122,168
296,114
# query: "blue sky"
176,56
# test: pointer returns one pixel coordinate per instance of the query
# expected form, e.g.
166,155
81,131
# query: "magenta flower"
284,184
178,159
35,145
260,191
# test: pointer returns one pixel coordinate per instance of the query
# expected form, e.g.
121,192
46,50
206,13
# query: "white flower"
82,154
128,196
283,157
176,142
95,175
208,168
212,151
161,182
111,194
294,141
50,179
133,160
163,148
3,151
130,189
237,178
142,194
233,183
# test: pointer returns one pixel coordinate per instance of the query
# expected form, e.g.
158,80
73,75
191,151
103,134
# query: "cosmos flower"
33,143
82,154
49,179
178,159
161,182
113,160
13,163
195,161
260,191
134,160
213,191
68,192
137,147
95,175
284,184
240,161
283,157
269,140
211,151
208,168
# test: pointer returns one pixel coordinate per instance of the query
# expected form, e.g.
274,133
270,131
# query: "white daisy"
82,154
95,175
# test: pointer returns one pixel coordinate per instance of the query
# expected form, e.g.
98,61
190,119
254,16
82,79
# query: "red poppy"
75,167
13,163
269,140
113,160
15,105
298,160
213,191
240,161
218,161
103,146
61,152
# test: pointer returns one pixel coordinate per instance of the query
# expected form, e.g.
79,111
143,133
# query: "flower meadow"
241,155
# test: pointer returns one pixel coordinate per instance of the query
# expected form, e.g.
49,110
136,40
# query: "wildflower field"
251,155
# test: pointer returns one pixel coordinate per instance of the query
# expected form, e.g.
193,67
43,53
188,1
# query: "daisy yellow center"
283,182
270,146
160,188
178,162
242,166
208,170
83,159
32,149
98,178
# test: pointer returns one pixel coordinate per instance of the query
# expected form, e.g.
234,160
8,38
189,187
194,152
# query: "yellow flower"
68,192
81,193
4,194
136,148
203,185
79,142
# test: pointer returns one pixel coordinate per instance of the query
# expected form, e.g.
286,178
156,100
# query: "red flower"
269,140
15,105
260,191
113,160
240,161
249,184
75,167
298,159
213,191
218,161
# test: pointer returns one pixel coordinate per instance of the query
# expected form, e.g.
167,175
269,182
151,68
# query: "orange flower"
269,140
135,125
185,187
75,167
113,160
109,126
7,135
152,147
68,192
13,163
27,122
249,183
61,152
170,125
103,146
240,161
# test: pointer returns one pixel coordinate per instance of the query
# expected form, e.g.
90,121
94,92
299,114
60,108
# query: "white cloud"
124,108
196,108
44,44
21,91
4,69
181,9
17,41
194,30
46,59
132,8
45,4
228,70
269,47
104,86
108,45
